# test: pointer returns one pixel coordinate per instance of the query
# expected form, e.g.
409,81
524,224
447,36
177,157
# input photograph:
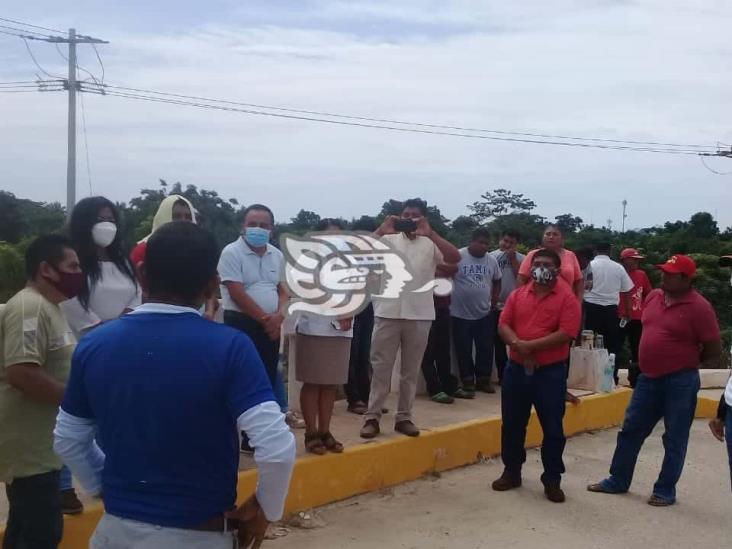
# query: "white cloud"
631,70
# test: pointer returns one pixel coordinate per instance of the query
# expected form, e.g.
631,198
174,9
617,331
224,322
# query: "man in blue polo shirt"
168,392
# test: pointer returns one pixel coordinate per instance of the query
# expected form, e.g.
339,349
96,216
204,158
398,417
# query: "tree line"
21,220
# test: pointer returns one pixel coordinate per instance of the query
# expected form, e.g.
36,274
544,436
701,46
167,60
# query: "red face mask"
69,284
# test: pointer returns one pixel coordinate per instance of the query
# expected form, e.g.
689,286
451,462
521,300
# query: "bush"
12,275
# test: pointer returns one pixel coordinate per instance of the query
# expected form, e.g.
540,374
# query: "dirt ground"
459,510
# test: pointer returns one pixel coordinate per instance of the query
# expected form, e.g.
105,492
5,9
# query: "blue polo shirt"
165,390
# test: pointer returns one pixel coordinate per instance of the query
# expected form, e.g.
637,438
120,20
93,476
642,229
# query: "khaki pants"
118,533
389,336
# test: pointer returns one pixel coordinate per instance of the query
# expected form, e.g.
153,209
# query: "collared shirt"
609,280
473,285
532,316
260,275
167,391
422,257
570,270
508,276
641,288
673,334
32,331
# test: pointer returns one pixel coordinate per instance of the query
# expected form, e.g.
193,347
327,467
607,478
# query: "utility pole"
625,205
71,156
72,86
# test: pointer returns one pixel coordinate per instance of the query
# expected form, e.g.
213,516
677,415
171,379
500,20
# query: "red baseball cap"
679,264
631,253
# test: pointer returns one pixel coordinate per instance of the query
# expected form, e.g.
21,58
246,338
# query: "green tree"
500,202
304,221
568,223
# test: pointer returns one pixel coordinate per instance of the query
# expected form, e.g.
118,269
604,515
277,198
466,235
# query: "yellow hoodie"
165,213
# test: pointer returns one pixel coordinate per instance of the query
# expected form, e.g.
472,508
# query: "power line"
94,78
142,97
29,25
99,58
33,57
24,31
417,124
704,162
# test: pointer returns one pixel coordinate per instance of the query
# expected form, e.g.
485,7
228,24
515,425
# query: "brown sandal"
314,444
331,443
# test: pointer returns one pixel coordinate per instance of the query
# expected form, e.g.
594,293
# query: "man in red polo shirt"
630,310
538,322
680,335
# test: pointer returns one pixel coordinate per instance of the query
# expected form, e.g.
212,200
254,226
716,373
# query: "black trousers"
436,364
34,514
632,332
499,346
465,334
269,351
604,320
358,387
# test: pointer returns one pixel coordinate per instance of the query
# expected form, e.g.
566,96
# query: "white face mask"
104,233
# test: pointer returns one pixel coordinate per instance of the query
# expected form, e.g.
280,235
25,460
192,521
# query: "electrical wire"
390,128
704,163
417,124
29,25
24,31
33,57
99,58
79,67
86,143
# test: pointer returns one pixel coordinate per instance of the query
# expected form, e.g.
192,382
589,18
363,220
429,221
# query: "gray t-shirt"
472,286
508,280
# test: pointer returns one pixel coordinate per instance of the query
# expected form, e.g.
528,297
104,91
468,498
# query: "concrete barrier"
318,480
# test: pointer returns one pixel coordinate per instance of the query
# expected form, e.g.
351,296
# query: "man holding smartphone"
404,323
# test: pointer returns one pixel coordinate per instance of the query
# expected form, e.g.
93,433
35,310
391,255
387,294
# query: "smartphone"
405,225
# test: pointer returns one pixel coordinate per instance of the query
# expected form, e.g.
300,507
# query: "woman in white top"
322,353
110,288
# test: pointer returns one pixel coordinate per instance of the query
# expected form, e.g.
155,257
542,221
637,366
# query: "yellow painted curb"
318,480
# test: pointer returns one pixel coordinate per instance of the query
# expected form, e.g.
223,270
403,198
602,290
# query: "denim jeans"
64,479
436,364
499,346
358,387
280,393
544,389
465,334
728,438
673,398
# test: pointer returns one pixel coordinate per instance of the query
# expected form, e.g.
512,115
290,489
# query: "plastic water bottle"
608,375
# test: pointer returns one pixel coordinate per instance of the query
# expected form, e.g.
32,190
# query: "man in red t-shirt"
538,322
631,308
680,335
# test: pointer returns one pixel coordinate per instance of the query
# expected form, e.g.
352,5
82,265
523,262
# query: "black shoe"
554,493
70,503
506,482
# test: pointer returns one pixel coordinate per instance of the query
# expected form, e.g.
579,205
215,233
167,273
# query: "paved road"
458,510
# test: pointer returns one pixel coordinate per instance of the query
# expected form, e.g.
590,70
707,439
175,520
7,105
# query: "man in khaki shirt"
404,323
36,345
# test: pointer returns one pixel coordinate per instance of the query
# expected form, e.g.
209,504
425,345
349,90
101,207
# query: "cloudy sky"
648,70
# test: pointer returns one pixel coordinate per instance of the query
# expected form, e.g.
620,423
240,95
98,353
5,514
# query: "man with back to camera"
168,392
609,280
36,344
680,335
404,323
539,321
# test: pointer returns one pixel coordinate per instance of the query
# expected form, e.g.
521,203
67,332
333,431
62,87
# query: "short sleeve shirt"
533,317
637,296
32,330
570,270
422,257
472,286
673,334
609,280
508,277
260,275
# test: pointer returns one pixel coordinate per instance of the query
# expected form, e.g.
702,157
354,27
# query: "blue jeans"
64,479
673,398
465,334
545,390
728,437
